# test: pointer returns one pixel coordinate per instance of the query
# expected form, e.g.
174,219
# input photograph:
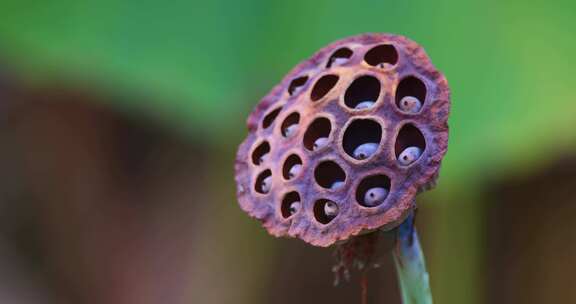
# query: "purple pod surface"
318,117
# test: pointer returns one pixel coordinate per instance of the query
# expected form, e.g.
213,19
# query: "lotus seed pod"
375,196
364,105
331,209
410,104
295,170
409,155
366,150
294,207
343,166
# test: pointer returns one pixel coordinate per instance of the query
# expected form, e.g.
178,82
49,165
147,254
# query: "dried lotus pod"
322,158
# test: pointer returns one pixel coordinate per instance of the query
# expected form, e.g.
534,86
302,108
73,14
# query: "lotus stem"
410,265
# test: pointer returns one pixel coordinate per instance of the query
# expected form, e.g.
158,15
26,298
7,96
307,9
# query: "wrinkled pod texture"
345,142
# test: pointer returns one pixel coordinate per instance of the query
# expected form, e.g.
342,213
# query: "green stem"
410,265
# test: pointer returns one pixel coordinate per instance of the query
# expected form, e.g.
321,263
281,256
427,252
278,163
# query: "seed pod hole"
410,88
373,190
263,182
325,211
317,134
291,204
290,125
260,153
323,86
361,138
339,57
410,144
292,167
382,56
329,175
296,85
270,117
362,93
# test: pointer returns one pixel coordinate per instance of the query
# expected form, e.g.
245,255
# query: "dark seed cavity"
328,174
264,182
317,134
323,86
292,167
363,91
411,87
382,56
270,117
291,204
290,125
362,138
339,57
260,153
410,144
296,85
325,211
373,190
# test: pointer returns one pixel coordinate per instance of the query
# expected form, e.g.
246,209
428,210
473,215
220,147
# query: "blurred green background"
195,70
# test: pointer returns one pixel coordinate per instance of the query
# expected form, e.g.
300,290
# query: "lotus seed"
320,142
290,130
384,65
409,155
330,209
337,61
364,105
366,150
375,196
262,159
336,185
410,104
295,90
294,171
294,207
266,184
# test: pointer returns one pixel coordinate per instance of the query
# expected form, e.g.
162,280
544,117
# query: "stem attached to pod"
410,266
